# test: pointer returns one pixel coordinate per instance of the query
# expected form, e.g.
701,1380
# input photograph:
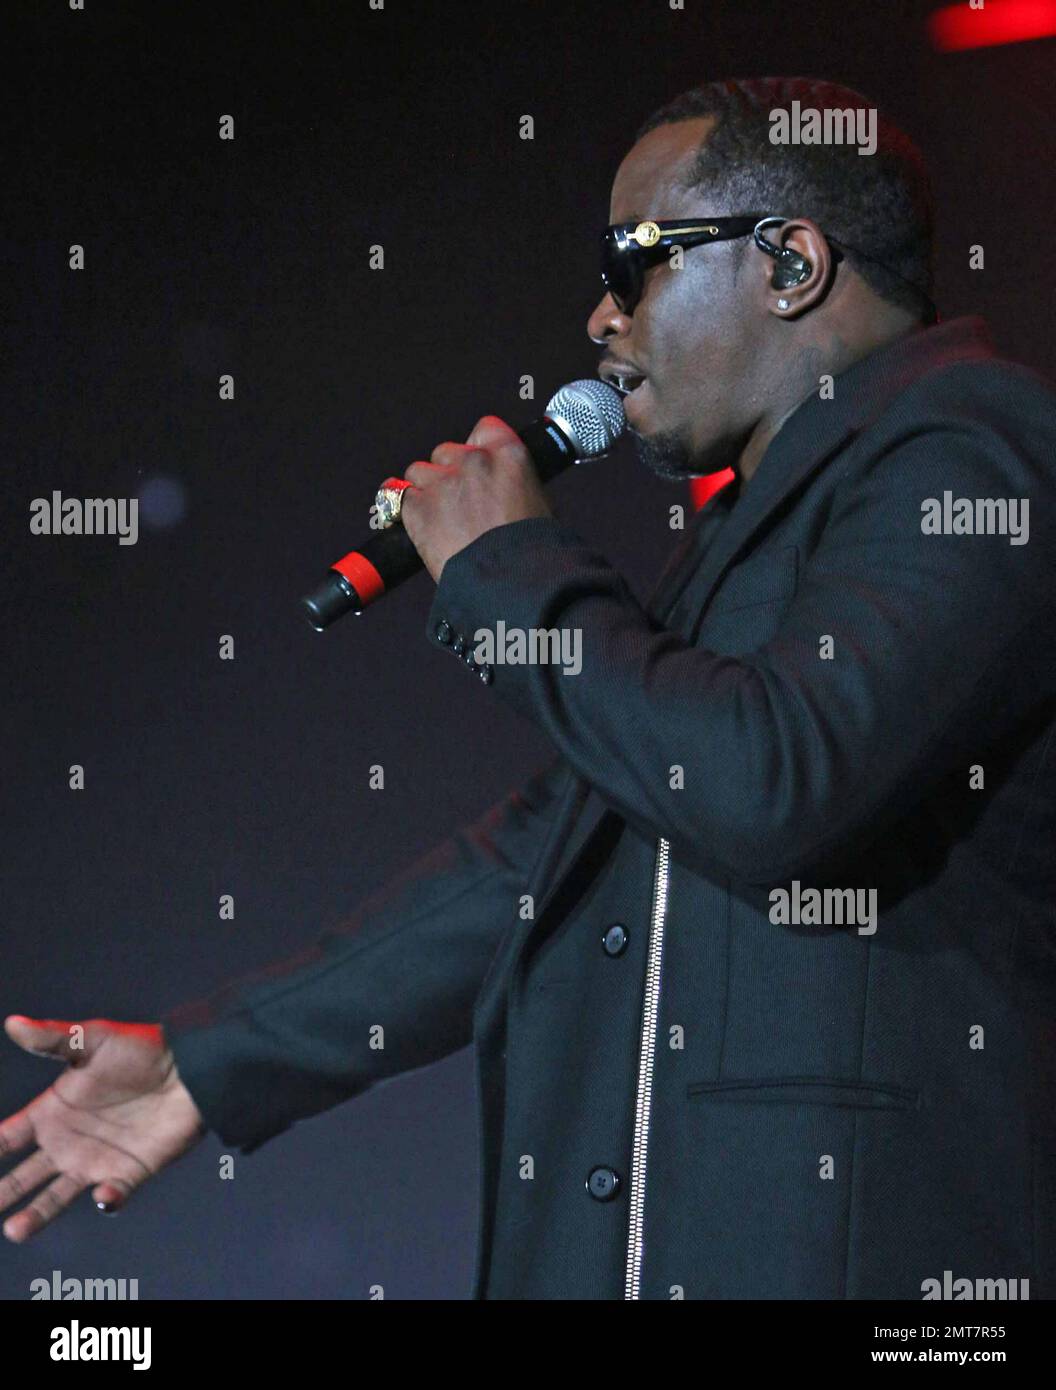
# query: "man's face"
694,334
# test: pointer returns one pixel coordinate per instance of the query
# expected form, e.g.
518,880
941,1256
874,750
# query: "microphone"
583,420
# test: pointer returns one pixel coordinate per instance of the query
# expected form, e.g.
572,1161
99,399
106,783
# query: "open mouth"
627,385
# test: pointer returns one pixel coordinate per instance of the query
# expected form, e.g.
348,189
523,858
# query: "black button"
603,1184
469,657
458,646
484,672
615,940
443,632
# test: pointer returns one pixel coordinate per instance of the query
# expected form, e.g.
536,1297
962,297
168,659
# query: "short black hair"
880,203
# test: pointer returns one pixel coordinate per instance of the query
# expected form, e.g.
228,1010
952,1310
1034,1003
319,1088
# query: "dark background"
250,257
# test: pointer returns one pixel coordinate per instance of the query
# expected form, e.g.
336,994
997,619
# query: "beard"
665,455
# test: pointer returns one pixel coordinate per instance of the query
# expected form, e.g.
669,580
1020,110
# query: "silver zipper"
647,1052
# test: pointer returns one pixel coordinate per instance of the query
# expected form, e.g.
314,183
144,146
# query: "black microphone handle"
389,557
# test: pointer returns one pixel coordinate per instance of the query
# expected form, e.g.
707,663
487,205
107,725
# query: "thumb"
48,1037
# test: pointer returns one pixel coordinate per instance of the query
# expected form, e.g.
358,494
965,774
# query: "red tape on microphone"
362,575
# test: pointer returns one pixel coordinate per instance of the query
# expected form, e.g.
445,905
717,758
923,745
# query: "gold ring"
388,502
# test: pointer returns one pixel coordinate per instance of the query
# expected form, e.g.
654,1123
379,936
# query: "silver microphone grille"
590,414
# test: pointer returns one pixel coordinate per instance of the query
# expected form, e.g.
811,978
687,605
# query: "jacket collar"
811,435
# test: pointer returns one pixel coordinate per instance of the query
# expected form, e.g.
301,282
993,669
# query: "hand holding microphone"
466,489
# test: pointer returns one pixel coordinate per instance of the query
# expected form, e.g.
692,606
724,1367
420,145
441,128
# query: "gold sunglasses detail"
648,233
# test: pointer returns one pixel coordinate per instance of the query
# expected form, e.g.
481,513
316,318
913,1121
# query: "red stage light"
999,21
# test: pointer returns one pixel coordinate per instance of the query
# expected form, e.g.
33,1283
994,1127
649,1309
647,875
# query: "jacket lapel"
779,477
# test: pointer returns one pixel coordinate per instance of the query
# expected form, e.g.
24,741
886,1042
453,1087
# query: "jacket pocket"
806,1090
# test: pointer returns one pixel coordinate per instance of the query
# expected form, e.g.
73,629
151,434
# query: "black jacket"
714,1101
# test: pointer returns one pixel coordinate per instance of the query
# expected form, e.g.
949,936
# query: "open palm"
117,1115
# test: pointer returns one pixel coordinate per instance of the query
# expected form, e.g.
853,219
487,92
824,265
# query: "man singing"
779,1019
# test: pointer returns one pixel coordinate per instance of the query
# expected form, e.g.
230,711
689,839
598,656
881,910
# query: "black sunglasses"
629,249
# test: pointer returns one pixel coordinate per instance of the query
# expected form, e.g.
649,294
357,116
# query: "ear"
796,286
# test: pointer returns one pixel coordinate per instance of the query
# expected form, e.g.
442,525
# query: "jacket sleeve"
939,643
300,1036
